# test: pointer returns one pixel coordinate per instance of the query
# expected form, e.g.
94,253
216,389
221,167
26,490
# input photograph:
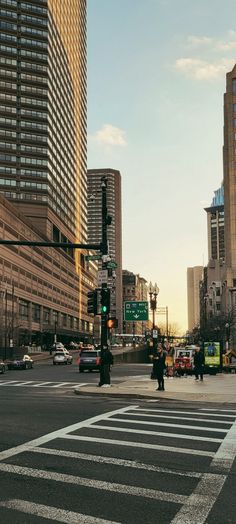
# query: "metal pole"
12,316
167,325
104,249
6,323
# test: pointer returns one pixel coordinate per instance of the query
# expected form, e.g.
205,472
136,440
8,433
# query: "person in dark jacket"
198,364
106,363
159,365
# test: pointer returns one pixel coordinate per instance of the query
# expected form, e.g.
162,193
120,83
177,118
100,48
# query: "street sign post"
136,311
112,264
93,257
102,276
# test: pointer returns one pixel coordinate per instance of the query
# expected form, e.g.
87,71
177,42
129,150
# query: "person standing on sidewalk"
198,363
106,363
159,366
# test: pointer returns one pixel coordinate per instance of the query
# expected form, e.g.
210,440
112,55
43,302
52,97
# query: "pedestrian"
106,363
198,363
159,367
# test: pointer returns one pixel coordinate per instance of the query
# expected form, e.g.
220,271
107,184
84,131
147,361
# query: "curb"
115,394
178,397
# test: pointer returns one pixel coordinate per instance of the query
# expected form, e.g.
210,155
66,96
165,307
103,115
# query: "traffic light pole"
104,314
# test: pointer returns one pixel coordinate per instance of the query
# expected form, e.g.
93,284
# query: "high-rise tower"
43,172
43,113
229,158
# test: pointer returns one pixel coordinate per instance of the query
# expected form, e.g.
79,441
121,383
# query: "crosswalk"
42,384
123,460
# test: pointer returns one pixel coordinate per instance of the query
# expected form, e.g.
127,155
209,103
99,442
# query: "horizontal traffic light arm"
96,247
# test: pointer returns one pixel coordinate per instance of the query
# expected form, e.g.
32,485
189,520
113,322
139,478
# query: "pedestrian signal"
112,323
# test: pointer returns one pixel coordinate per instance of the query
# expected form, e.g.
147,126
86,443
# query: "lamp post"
153,292
227,336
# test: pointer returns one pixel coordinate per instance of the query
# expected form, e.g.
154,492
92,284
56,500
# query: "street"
75,459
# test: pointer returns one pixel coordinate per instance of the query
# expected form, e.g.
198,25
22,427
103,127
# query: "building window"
46,315
234,85
35,312
23,309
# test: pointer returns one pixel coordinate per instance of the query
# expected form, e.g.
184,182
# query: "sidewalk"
219,389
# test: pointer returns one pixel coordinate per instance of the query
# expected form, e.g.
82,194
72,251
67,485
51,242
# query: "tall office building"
114,230
43,171
215,227
194,277
43,113
229,159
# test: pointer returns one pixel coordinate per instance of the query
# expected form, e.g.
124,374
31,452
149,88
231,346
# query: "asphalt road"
45,374
65,458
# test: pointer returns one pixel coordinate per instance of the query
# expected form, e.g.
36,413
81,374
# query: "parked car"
62,357
89,360
26,362
2,367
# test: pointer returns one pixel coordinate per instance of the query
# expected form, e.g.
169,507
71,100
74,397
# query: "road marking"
4,383
226,453
200,502
115,462
135,414
38,384
23,383
41,384
184,412
83,384
93,483
60,384
156,433
59,433
167,424
52,513
159,447
223,410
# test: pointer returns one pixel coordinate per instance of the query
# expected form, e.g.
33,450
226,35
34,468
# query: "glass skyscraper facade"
43,113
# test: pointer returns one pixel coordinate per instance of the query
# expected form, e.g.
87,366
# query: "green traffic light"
104,309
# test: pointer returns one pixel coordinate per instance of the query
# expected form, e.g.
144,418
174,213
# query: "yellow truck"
229,361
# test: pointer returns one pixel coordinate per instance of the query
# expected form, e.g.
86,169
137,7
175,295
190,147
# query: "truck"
229,361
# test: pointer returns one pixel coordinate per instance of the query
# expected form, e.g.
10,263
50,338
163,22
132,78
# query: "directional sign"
136,311
93,257
112,264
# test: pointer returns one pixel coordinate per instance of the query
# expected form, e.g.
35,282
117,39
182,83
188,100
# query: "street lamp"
227,336
153,292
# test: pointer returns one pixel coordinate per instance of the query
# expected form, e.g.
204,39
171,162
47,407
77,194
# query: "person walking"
198,363
106,363
159,366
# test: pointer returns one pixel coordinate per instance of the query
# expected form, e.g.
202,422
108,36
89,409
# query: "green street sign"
112,264
136,311
93,257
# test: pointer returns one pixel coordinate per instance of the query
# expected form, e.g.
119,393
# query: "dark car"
89,360
2,367
26,362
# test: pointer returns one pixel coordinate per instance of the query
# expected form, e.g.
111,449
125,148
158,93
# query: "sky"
156,80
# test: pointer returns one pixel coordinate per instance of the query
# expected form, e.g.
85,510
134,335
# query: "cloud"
226,44
199,40
203,69
110,135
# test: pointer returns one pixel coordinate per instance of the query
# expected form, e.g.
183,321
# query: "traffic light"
105,300
112,323
92,304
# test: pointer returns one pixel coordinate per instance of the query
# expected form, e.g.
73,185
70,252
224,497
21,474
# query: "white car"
62,357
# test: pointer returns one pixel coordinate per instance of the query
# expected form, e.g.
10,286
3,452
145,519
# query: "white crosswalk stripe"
219,454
